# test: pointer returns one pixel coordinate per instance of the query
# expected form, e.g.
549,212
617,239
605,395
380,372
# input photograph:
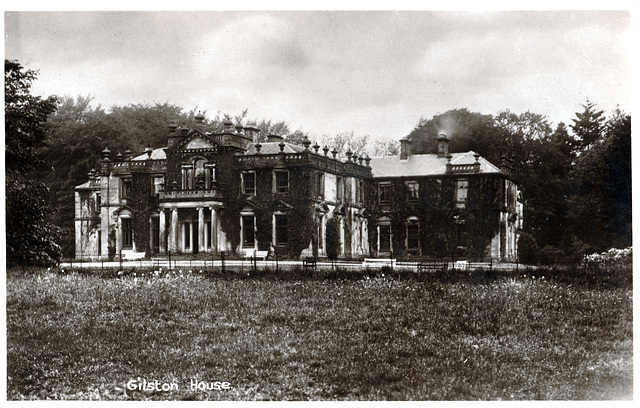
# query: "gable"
199,142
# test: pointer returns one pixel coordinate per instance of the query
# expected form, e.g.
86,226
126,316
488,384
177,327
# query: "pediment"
124,210
198,140
199,143
281,205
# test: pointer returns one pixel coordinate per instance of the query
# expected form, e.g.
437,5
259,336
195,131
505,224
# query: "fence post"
120,259
222,260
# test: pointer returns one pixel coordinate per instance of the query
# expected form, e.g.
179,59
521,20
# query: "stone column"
173,231
214,230
162,241
201,244
118,236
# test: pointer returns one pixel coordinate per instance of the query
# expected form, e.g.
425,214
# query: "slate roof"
425,165
156,154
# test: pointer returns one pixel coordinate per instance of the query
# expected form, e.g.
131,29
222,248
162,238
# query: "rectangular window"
461,192
187,235
187,177
339,189
98,202
127,233
384,237
249,183
210,174
384,193
413,187
282,181
248,231
413,237
281,229
320,184
158,181
126,188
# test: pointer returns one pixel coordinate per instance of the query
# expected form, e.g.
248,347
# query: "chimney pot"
405,148
443,145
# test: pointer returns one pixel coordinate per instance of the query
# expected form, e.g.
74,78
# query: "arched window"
198,174
413,235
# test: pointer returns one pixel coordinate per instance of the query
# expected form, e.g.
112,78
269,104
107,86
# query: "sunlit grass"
373,338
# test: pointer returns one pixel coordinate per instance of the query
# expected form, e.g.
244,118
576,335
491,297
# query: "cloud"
328,72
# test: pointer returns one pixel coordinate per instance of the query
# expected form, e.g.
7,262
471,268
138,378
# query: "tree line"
575,180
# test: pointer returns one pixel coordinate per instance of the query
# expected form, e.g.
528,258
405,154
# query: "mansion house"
205,193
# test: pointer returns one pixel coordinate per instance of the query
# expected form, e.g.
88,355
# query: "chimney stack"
405,148
252,133
443,145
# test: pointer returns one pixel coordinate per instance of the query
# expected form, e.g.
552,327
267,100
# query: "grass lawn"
77,336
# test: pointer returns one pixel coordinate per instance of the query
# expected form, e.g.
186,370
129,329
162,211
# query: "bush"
528,250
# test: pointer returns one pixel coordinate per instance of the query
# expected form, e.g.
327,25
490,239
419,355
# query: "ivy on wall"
143,203
440,220
295,203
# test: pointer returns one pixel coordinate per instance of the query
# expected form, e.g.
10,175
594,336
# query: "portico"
193,227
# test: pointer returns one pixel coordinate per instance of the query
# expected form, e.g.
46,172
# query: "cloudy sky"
325,72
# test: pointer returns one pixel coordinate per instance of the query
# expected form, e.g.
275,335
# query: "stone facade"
205,193
443,205
210,192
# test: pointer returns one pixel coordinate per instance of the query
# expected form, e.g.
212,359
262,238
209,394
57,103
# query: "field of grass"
78,336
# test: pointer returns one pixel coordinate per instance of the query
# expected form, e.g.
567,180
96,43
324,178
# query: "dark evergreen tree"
30,238
600,200
333,238
588,125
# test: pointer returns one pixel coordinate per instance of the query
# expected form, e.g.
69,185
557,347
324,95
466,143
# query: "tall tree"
466,131
77,133
600,203
588,125
30,238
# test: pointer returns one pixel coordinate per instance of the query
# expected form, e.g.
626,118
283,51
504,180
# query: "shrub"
528,250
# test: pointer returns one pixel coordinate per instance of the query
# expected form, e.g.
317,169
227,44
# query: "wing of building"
210,192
